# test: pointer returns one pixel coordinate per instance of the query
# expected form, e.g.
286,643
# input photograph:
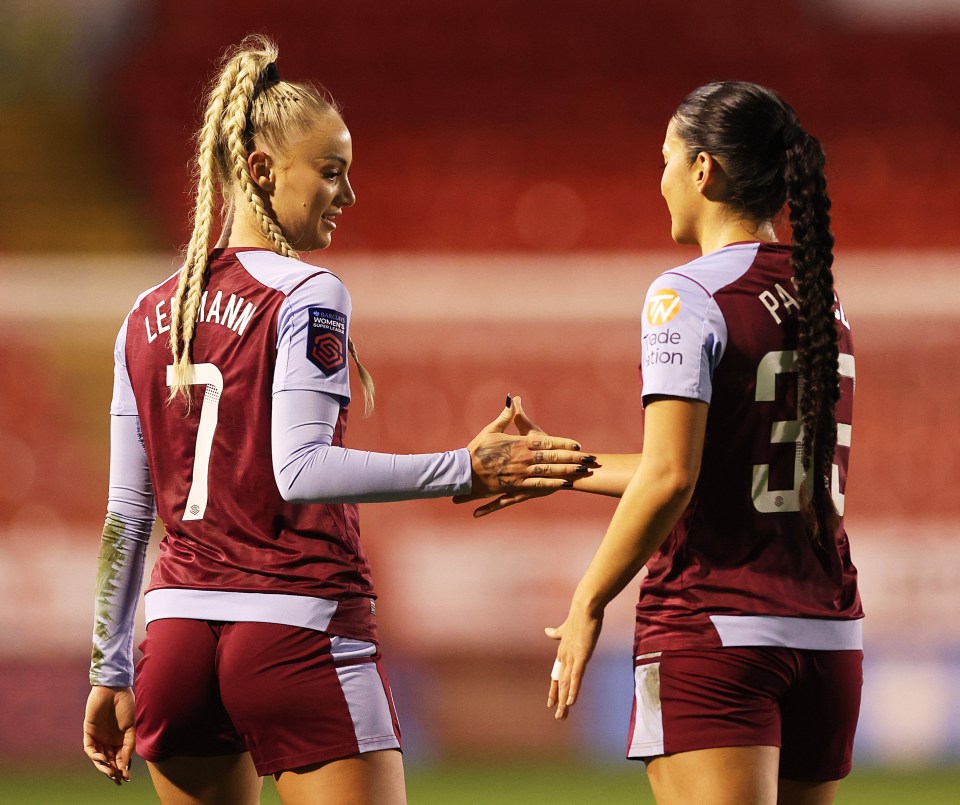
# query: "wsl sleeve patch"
327,340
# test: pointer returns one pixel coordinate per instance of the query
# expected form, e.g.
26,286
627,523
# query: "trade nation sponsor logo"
663,306
656,347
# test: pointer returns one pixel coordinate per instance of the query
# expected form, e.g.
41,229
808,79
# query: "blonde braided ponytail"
248,100
209,171
237,137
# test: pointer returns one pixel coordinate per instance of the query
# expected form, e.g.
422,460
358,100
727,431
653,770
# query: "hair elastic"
271,75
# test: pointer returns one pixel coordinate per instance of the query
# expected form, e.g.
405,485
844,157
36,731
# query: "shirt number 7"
202,374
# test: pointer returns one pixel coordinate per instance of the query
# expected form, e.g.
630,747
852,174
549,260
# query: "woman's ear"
260,166
708,177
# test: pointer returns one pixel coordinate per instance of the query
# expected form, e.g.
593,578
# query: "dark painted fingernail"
582,469
508,401
588,460
567,485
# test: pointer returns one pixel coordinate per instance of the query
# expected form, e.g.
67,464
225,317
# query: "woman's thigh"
224,780
792,792
736,775
373,778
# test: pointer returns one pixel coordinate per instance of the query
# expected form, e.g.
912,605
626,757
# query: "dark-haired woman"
748,640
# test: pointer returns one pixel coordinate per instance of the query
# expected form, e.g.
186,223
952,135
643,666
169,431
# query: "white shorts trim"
370,708
646,736
216,605
803,633
349,648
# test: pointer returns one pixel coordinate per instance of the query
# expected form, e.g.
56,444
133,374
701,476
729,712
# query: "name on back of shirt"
235,314
780,303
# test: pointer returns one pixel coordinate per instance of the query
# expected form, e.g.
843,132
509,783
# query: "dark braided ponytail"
817,349
769,160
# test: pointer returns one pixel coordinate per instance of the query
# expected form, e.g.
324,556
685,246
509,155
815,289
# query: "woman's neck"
723,233
239,231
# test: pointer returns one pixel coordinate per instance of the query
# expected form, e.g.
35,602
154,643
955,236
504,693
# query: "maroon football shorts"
805,702
292,697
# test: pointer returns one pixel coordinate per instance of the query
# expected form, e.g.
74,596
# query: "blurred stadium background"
509,220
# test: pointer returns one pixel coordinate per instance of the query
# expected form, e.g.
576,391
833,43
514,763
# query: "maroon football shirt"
233,548
739,568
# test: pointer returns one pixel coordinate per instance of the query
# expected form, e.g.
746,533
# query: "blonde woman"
228,414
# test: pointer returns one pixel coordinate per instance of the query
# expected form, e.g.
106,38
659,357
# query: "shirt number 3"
770,501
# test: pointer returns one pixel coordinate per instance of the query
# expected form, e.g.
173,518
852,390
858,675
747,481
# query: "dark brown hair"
769,160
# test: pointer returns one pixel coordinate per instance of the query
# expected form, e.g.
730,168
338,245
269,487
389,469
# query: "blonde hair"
247,100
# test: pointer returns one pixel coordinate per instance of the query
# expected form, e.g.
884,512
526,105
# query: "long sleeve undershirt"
123,549
309,469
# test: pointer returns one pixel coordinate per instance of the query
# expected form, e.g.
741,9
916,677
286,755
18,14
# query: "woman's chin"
322,241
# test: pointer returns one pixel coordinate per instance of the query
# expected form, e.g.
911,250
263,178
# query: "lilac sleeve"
123,550
684,336
312,333
308,469
126,532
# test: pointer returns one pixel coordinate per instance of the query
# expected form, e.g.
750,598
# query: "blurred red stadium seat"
457,110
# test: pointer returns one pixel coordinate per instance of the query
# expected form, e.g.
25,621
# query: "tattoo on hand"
494,457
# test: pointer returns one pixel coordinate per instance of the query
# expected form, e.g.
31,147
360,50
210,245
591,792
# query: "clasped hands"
520,467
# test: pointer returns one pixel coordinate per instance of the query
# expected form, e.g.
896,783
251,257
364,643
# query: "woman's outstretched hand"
503,462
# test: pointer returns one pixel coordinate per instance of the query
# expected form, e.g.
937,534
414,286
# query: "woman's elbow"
290,496
677,483
295,491
288,488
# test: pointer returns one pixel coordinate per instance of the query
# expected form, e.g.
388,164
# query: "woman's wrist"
589,603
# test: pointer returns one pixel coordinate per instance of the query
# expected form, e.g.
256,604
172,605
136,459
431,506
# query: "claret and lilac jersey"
739,568
233,548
